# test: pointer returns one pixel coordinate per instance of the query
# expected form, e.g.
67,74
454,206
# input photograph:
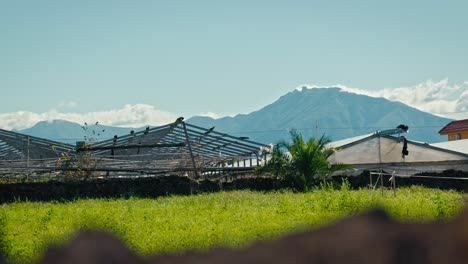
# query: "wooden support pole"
27,164
190,150
381,182
380,163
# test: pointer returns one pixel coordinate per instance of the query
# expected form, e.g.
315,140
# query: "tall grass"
235,219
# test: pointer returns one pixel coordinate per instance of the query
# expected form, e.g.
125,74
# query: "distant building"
391,152
456,130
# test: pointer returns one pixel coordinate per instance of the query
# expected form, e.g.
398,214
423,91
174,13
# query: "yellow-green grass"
199,222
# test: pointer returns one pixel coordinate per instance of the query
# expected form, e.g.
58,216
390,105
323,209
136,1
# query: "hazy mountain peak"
305,88
339,113
53,122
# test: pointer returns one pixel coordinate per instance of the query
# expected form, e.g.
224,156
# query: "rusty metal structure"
178,147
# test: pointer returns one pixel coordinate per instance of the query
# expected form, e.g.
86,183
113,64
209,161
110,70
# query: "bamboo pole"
190,150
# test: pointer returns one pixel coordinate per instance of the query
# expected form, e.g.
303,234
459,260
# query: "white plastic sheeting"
346,141
456,145
377,149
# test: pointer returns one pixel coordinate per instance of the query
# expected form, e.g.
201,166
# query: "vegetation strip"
199,222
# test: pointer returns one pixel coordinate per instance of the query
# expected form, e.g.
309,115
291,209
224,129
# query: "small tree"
82,165
301,163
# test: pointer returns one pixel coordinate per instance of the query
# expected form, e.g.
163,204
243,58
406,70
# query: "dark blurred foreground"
367,238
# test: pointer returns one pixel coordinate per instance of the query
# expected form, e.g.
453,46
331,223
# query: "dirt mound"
367,238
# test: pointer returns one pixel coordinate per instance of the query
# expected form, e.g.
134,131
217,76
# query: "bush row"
176,185
149,187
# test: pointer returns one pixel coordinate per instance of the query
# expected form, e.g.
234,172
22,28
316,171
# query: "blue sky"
223,57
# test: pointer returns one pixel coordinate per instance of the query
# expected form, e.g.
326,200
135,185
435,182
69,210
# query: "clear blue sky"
189,57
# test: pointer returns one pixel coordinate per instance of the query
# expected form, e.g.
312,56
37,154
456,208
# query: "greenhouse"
389,150
178,147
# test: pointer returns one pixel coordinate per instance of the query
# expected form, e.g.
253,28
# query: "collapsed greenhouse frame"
175,148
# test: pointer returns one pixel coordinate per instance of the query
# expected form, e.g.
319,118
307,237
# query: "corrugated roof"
455,126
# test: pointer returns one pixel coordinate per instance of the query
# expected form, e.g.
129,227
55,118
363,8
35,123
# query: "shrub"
302,164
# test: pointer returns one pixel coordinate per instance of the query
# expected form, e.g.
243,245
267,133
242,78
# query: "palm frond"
303,163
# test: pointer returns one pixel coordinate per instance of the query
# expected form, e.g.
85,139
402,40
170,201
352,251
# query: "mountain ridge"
339,114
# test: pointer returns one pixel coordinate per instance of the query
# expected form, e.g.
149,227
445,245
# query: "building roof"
456,145
346,141
354,140
455,126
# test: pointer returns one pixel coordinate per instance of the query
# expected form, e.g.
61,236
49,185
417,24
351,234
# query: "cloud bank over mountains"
439,98
136,115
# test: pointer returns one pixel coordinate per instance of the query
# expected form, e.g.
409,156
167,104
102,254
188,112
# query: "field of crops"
199,222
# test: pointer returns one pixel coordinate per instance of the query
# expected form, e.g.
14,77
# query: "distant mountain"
69,132
339,115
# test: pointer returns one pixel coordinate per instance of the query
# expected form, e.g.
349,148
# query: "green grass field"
235,219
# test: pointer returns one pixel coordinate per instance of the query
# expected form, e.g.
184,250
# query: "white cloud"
210,114
439,98
128,116
462,103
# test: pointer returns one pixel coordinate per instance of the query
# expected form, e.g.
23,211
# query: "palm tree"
302,163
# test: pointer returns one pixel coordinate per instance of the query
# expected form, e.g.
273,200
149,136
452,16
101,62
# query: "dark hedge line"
118,188
176,185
